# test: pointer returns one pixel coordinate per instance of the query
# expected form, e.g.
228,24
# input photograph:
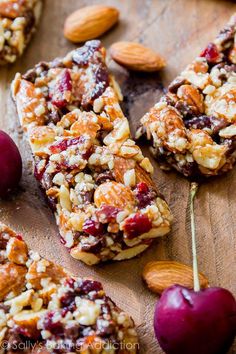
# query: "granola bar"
43,309
95,177
193,127
18,19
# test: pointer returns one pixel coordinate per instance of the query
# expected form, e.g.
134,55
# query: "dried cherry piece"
62,90
86,155
137,225
68,300
211,53
203,122
83,54
106,328
104,177
62,145
90,285
55,328
93,227
70,282
38,174
144,194
107,213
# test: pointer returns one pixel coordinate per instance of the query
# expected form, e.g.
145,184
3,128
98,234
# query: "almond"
90,22
121,165
115,194
161,274
135,56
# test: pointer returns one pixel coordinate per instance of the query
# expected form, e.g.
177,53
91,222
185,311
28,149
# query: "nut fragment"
135,56
161,274
192,97
90,22
39,270
28,320
130,252
13,283
17,251
115,194
86,257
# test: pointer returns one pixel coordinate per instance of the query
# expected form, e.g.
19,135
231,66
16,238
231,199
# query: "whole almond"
90,22
135,56
160,275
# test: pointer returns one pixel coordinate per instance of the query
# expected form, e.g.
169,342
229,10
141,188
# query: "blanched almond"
90,22
135,56
160,275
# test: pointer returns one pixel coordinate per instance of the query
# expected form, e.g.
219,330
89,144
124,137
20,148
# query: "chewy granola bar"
43,309
96,179
18,19
193,127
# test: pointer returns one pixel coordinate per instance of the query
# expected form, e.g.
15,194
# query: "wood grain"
177,29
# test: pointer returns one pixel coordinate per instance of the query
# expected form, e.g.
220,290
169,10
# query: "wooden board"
178,29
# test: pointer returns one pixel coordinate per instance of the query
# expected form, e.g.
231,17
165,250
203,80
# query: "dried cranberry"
107,213
90,285
137,225
55,328
144,194
93,228
62,87
62,145
83,54
211,53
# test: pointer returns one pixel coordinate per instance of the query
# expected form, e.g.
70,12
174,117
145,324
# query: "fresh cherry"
190,322
195,321
10,164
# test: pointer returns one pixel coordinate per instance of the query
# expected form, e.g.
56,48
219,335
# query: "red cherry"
10,164
189,322
211,53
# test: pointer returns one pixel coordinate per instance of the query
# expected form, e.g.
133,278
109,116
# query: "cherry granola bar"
18,19
96,179
193,127
43,309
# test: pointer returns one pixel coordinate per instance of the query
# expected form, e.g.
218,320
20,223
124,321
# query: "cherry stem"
193,192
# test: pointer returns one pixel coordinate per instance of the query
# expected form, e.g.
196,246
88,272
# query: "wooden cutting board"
177,29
